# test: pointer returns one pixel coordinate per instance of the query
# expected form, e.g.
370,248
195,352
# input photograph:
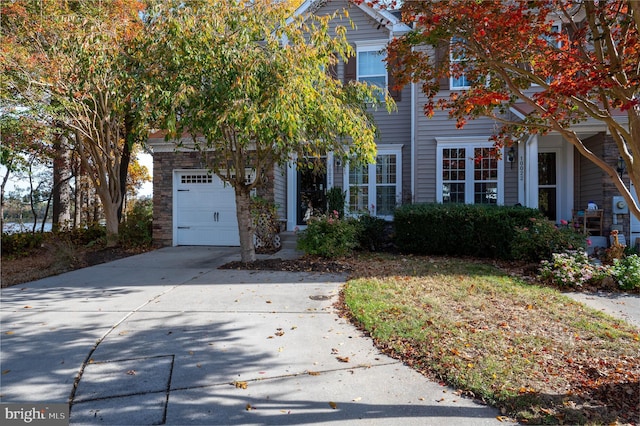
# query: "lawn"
536,354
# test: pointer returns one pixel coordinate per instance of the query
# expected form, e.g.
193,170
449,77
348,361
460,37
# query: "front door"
548,185
312,189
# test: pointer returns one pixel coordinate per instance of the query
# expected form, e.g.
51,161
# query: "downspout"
413,142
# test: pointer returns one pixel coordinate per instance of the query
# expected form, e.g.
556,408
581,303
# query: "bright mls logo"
34,414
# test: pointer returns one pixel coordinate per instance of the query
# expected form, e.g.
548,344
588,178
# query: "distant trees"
72,65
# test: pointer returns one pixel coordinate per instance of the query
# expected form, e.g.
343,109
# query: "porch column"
531,172
292,194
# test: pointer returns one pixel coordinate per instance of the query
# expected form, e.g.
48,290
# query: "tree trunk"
245,224
61,189
5,179
125,160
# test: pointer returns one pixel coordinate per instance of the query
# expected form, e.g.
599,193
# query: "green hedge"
460,229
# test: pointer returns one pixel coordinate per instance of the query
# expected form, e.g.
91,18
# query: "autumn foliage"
561,63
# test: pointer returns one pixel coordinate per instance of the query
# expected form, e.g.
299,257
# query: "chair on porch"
589,221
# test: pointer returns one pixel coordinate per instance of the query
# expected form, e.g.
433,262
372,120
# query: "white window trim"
381,150
372,46
469,143
452,78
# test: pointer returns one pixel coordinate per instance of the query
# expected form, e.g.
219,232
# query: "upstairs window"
457,58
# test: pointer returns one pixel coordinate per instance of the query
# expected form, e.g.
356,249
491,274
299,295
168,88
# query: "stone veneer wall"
164,163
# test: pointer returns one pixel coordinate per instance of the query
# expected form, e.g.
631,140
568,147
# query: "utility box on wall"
620,205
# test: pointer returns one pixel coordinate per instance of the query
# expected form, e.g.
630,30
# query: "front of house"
419,159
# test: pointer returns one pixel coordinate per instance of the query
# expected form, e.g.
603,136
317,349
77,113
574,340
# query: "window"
371,66
196,178
458,58
376,188
468,173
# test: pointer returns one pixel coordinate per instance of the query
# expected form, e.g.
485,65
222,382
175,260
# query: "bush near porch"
495,232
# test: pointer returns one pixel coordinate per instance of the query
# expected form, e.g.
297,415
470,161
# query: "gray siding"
439,126
589,180
280,191
395,127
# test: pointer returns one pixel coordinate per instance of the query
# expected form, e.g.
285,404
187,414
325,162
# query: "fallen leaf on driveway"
240,385
313,373
131,372
343,358
333,405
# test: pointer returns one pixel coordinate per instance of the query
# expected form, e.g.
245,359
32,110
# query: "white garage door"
205,210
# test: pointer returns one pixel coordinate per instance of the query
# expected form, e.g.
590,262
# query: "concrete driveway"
167,338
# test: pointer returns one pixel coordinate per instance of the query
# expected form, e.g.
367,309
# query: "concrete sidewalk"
167,338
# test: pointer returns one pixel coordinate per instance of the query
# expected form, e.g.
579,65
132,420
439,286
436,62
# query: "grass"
537,355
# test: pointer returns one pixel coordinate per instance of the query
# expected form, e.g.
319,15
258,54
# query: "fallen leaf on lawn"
240,385
9,332
343,358
6,371
269,337
279,332
313,373
27,307
131,372
248,407
268,301
294,327
199,365
333,405
334,351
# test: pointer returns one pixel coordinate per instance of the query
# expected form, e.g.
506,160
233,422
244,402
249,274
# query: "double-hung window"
457,57
371,66
468,173
376,188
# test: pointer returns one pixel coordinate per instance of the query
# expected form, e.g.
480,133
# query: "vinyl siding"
590,179
280,191
439,126
395,127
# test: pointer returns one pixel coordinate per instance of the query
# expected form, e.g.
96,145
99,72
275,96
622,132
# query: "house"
419,160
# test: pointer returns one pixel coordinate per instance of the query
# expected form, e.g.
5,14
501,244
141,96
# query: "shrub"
372,233
136,229
459,229
336,200
540,239
21,243
328,236
626,272
90,235
571,269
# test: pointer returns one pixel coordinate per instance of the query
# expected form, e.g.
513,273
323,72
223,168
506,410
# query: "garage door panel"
205,210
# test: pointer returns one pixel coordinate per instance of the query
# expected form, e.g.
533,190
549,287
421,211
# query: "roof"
389,19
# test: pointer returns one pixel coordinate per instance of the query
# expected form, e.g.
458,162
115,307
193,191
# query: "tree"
77,60
568,61
24,144
251,86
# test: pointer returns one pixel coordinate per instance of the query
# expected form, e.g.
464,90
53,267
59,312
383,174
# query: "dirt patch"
303,264
55,258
